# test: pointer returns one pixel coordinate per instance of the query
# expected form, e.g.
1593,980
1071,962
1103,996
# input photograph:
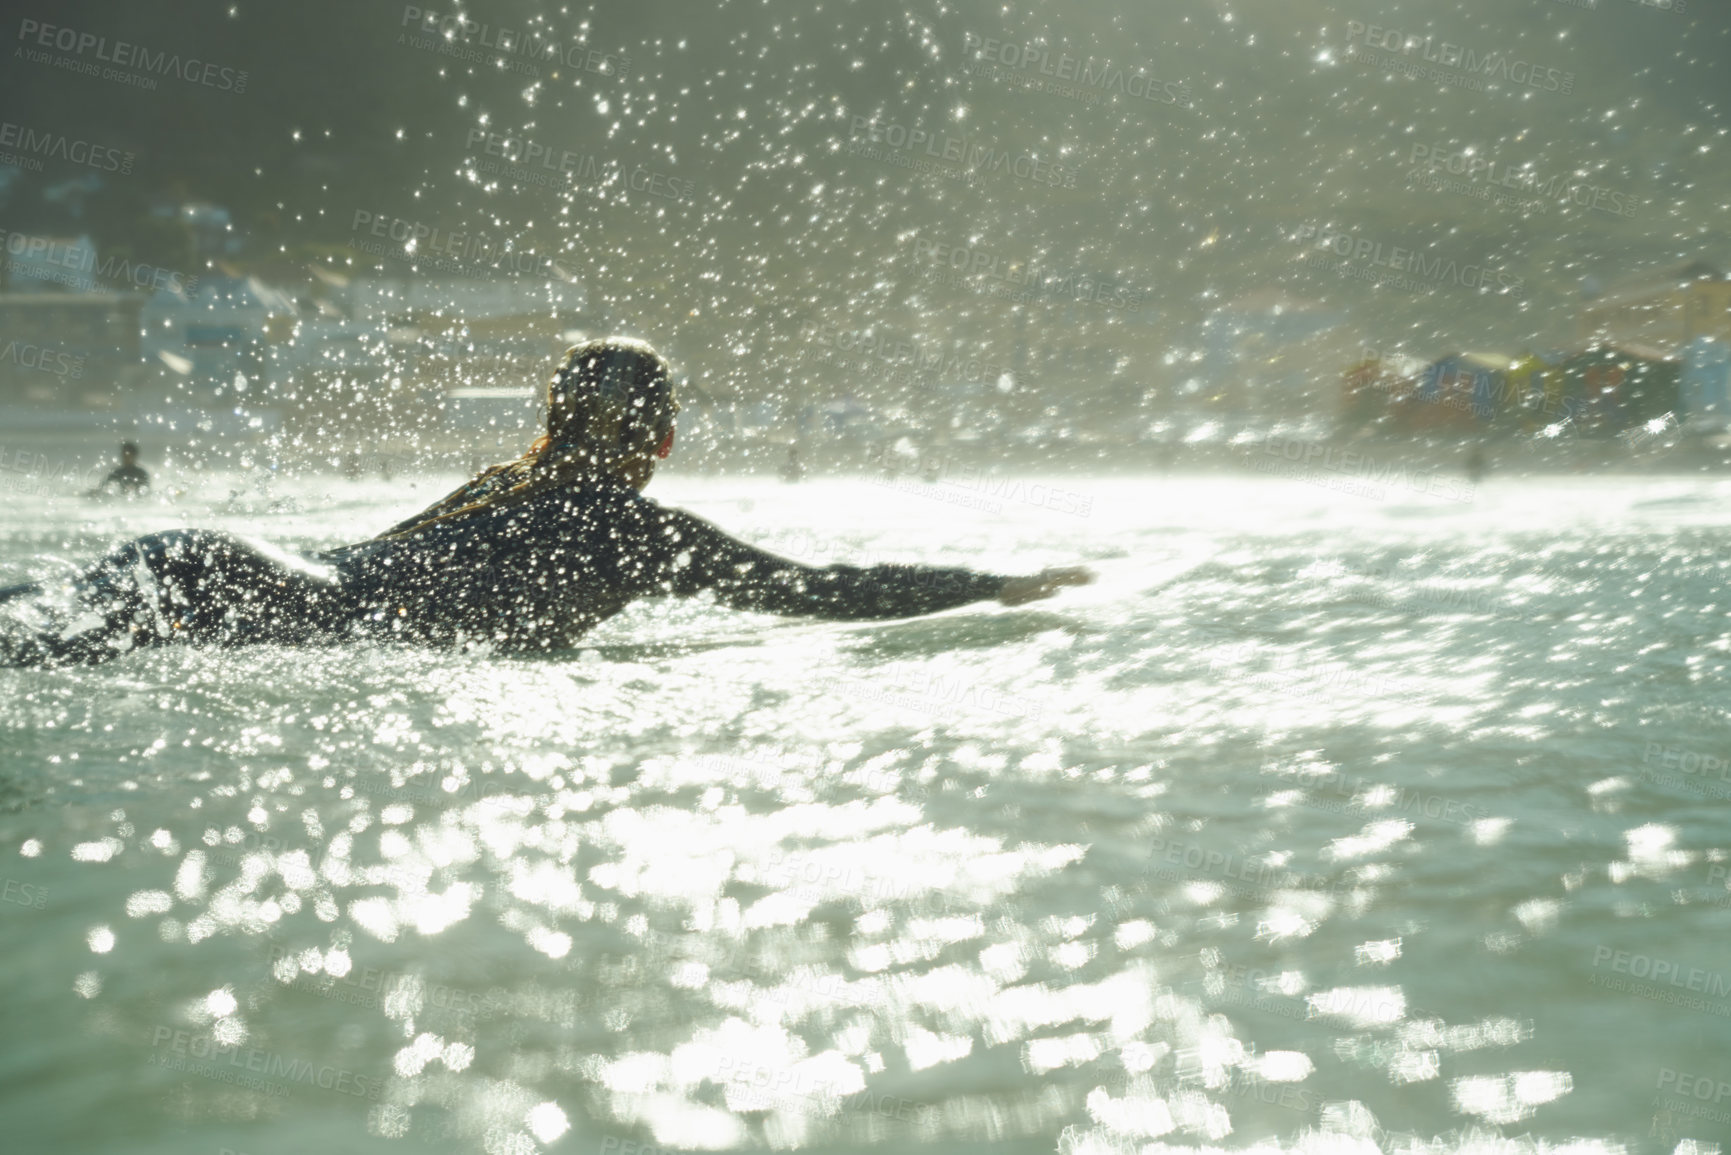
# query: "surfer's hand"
1044,584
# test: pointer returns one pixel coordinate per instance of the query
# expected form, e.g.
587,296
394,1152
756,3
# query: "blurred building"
1526,404
385,300
464,332
210,226
67,348
1610,388
1460,393
1260,354
222,329
1705,387
1367,389
48,264
1665,311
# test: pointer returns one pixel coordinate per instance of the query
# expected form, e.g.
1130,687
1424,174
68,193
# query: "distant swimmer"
792,469
526,557
128,477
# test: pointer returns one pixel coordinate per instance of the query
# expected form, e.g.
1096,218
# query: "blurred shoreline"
47,456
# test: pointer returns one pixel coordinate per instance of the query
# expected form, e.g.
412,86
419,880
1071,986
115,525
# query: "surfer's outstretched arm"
688,555
1020,590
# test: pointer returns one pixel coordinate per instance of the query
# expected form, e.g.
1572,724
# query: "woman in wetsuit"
526,557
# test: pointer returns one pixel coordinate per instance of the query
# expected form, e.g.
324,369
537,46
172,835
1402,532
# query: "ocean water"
1324,821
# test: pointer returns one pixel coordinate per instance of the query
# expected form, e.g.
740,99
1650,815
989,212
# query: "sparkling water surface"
1319,823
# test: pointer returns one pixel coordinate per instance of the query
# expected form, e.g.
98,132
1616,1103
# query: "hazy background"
784,230
1355,806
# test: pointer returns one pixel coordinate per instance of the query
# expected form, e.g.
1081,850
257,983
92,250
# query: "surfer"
1476,466
128,477
526,557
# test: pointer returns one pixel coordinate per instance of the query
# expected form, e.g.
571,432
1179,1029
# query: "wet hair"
610,400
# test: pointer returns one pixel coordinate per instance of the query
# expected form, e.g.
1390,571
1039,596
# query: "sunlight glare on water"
1169,865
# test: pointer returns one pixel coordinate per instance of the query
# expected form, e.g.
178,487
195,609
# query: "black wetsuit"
530,576
130,479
